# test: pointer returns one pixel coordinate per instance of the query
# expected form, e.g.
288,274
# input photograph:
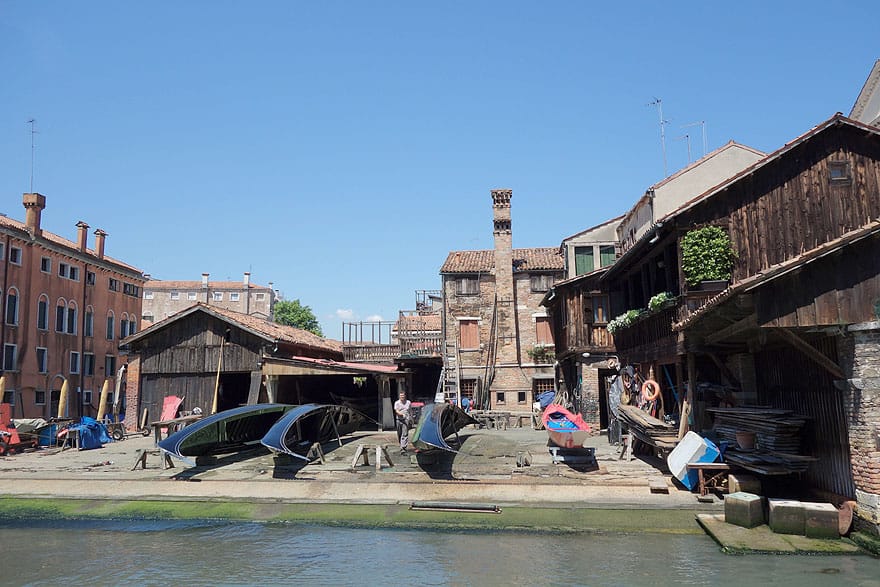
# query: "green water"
230,553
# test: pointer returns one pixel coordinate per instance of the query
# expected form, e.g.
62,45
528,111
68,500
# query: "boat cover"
92,434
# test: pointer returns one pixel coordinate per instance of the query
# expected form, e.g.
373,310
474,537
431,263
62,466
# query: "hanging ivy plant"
706,254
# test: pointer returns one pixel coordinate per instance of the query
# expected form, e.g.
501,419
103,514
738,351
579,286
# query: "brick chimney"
82,236
504,272
100,236
34,204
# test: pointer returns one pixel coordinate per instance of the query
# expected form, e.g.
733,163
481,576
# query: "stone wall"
860,352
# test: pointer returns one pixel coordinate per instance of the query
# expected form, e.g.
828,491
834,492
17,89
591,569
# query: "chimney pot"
34,204
82,236
247,278
205,279
100,235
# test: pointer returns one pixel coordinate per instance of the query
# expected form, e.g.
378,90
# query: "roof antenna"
32,122
702,125
659,104
687,138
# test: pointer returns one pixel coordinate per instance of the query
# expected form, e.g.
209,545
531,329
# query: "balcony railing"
371,353
647,329
594,336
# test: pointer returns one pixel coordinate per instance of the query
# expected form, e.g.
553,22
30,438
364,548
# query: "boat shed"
206,350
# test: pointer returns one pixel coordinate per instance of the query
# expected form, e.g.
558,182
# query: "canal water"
208,553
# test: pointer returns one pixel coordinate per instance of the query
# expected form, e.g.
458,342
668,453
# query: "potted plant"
541,354
707,256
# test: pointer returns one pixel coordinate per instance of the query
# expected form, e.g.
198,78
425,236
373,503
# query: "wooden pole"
217,382
102,403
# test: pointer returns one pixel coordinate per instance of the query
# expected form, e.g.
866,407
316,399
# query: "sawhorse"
142,454
315,452
363,451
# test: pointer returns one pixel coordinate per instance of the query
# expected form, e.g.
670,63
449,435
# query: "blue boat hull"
300,428
438,422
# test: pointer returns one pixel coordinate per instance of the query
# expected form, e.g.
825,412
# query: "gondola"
438,422
225,432
300,428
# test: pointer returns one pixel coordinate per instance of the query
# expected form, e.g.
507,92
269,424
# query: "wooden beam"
806,348
748,323
728,374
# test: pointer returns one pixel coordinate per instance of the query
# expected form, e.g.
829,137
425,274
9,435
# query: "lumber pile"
647,428
777,439
775,430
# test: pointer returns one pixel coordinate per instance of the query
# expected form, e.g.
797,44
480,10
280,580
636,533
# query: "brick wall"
861,357
132,392
590,396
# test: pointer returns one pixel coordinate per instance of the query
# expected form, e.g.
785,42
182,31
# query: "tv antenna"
32,122
659,104
687,138
702,125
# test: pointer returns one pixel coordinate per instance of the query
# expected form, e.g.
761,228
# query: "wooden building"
261,362
798,324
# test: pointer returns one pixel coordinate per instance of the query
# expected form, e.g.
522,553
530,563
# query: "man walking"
403,419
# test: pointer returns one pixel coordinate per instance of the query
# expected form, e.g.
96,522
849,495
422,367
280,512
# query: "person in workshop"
403,419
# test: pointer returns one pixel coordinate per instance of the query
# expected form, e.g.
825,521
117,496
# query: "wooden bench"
711,475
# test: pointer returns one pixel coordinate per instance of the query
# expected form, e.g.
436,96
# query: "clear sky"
341,149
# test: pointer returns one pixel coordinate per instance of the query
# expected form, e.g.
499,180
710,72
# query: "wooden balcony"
647,330
370,353
588,337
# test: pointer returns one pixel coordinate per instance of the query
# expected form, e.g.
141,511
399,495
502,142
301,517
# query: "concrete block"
821,520
786,516
740,482
744,509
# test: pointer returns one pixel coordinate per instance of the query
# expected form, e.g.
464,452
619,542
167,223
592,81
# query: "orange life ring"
646,394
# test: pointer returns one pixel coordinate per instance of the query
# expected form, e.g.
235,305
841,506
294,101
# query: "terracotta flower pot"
745,440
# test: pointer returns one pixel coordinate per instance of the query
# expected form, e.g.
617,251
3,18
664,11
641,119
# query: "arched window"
71,317
111,324
123,325
89,323
60,315
43,312
12,306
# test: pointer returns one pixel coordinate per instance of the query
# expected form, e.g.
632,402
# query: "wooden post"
62,400
217,382
102,403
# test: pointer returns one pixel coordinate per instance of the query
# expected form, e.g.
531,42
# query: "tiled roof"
161,284
537,259
260,326
7,222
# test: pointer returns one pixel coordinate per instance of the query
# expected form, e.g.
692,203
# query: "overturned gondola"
438,422
308,424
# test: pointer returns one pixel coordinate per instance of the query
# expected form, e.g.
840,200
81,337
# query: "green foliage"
659,301
541,354
293,313
625,320
706,254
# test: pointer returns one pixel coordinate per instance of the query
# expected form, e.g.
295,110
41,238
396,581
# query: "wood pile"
777,439
775,430
647,428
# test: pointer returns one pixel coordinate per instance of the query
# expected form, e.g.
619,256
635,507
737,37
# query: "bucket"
745,440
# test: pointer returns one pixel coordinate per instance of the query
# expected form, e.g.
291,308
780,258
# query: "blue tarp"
92,434
546,398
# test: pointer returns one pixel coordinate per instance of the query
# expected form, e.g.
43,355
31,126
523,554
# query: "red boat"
566,430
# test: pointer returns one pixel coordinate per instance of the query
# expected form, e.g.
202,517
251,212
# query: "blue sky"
342,149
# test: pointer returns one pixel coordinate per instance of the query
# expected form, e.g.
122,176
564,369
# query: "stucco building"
165,298
65,308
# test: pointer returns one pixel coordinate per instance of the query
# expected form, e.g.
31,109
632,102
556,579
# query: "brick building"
65,307
498,343
166,298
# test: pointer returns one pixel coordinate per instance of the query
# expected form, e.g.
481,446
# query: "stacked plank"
777,435
775,430
647,428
